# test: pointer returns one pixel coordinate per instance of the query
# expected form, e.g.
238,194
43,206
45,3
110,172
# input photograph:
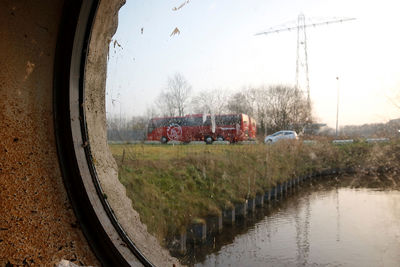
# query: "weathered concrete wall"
37,224
104,28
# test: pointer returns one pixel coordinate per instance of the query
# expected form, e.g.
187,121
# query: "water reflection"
318,225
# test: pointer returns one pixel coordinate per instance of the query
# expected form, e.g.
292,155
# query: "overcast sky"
217,49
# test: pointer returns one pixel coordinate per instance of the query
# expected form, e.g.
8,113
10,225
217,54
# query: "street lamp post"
337,107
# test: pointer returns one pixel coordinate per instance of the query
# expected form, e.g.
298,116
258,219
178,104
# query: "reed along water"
317,225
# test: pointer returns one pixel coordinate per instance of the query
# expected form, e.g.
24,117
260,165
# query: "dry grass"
172,186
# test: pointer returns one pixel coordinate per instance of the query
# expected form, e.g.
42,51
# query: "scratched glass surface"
211,104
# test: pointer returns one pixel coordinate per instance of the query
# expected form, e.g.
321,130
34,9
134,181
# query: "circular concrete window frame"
89,171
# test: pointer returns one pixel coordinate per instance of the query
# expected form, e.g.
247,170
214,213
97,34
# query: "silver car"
280,136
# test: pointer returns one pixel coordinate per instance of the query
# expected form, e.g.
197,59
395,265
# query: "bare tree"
259,100
151,112
287,109
174,99
240,103
122,128
252,101
212,102
165,104
274,108
394,100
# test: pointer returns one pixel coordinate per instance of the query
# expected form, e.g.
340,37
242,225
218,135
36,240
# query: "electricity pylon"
302,77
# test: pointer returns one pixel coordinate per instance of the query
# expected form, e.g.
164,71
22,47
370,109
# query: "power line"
302,70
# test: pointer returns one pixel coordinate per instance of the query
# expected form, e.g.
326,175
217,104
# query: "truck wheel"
164,140
208,140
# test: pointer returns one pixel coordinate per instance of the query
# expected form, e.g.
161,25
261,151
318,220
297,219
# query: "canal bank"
203,232
177,189
324,223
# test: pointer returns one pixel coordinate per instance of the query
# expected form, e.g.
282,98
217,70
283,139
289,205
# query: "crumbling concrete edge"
105,25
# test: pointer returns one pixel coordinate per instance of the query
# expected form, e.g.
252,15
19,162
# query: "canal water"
320,225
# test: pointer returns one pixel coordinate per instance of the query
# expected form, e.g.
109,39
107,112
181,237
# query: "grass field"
172,186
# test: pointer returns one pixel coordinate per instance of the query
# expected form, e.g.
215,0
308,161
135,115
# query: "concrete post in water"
228,216
214,224
220,224
276,191
260,200
251,205
324,173
280,189
284,189
197,232
293,183
241,210
270,195
267,196
182,243
178,243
